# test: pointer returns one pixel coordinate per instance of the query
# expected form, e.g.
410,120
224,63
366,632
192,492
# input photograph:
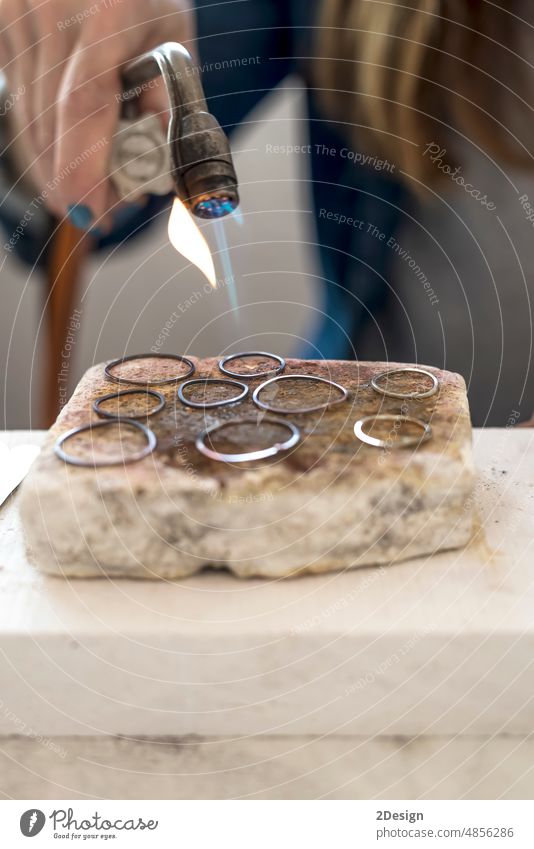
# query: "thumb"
156,100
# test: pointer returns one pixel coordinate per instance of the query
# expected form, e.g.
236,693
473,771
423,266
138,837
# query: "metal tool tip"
215,207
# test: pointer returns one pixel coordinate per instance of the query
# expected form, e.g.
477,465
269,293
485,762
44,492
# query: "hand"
62,60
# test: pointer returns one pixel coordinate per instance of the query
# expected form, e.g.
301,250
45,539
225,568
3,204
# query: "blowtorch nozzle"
198,160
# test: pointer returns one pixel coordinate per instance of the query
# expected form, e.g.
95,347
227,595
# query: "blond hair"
405,74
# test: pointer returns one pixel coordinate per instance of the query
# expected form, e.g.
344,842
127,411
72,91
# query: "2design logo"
32,822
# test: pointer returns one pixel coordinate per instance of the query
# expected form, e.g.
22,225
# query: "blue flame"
224,253
237,216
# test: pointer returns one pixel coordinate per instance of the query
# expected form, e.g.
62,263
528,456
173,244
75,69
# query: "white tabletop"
441,645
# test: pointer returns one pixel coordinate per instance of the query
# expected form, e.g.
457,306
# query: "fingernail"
80,215
97,232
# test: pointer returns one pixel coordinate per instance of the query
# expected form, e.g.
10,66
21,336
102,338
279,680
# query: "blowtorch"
194,160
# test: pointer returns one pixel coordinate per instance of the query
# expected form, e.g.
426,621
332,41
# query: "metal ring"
280,367
106,415
77,461
402,441
209,404
432,391
131,357
261,454
289,411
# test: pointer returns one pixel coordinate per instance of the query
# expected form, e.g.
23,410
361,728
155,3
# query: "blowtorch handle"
175,65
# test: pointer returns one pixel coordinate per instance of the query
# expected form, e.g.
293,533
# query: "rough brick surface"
332,503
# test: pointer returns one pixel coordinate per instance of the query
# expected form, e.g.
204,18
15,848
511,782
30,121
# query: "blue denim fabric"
354,262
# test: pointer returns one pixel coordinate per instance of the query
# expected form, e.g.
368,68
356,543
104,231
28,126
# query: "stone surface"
332,503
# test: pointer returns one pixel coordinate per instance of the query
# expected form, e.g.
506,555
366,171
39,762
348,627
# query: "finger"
15,34
6,52
18,34
88,109
156,100
52,54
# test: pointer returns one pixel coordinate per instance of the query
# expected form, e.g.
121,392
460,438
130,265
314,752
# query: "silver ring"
208,404
293,411
104,414
401,441
280,367
261,454
131,357
432,391
120,461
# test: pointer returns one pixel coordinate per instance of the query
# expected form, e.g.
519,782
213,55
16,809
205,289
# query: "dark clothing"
354,262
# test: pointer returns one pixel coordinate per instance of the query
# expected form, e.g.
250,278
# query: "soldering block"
331,503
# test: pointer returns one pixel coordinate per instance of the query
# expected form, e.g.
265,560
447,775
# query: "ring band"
209,404
432,391
280,367
134,458
132,357
261,454
104,414
293,411
401,441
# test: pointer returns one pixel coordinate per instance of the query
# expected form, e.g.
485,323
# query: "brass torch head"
202,166
205,174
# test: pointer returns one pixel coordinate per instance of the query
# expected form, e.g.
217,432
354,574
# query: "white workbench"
415,680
